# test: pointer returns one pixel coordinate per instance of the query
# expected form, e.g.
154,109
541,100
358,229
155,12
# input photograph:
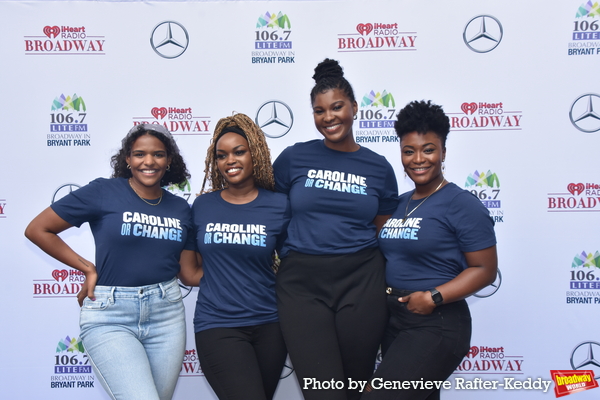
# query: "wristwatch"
436,296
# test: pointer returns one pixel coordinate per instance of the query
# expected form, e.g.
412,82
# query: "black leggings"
242,363
332,313
416,347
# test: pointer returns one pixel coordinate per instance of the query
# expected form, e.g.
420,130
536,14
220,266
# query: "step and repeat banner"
519,81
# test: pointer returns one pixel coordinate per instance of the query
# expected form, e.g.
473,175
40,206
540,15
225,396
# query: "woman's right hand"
88,286
418,302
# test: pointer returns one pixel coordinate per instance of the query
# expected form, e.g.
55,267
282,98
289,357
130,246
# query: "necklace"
143,199
407,214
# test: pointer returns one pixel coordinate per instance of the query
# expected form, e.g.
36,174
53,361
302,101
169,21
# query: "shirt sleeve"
82,205
281,171
388,201
471,221
287,215
190,242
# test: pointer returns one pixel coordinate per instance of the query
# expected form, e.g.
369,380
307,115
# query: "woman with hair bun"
239,223
331,282
132,317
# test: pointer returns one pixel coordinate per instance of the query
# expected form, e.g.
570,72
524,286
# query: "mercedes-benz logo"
275,118
63,191
584,357
483,33
169,39
584,114
492,288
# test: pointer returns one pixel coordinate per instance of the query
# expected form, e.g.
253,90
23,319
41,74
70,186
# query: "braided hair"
259,150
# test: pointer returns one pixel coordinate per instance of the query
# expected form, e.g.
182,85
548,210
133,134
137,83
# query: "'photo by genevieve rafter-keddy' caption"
456,384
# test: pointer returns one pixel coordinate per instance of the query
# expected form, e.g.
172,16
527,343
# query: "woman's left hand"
87,288
82,293
418,302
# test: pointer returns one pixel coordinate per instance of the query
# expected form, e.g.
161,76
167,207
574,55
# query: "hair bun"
328,68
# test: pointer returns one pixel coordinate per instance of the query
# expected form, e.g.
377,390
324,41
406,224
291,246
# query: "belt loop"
162,289
112,294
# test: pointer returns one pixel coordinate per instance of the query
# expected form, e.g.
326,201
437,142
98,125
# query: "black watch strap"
437,297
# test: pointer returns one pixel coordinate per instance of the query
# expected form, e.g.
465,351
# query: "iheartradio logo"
364,29
468,108
575,188
159,112
60,274
473,351
51,31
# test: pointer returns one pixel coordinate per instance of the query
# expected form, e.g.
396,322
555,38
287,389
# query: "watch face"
436,296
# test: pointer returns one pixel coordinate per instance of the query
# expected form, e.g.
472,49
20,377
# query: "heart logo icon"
575,188
60,274
51,31
364,29
159,112
473,351
468,108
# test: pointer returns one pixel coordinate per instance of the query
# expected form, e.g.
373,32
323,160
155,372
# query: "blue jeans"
135,339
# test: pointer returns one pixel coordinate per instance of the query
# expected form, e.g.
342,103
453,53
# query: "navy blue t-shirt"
236,242
335,196
427,249
136,244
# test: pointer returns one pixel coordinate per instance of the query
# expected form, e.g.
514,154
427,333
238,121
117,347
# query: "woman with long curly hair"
132,316
239,222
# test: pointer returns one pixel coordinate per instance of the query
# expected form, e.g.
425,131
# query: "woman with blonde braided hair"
261,156
239,222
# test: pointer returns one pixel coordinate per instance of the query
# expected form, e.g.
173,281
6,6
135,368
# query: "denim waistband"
136,291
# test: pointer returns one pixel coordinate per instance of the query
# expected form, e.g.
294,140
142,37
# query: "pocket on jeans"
173,294
100,303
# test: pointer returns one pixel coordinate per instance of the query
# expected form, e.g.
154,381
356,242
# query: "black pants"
421,346
242,363
332,313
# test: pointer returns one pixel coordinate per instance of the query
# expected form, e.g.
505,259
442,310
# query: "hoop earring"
128,166
169,167
443,167
405,174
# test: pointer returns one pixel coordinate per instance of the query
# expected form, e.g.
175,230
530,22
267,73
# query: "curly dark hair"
177,173
422,117
329,75
259,150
